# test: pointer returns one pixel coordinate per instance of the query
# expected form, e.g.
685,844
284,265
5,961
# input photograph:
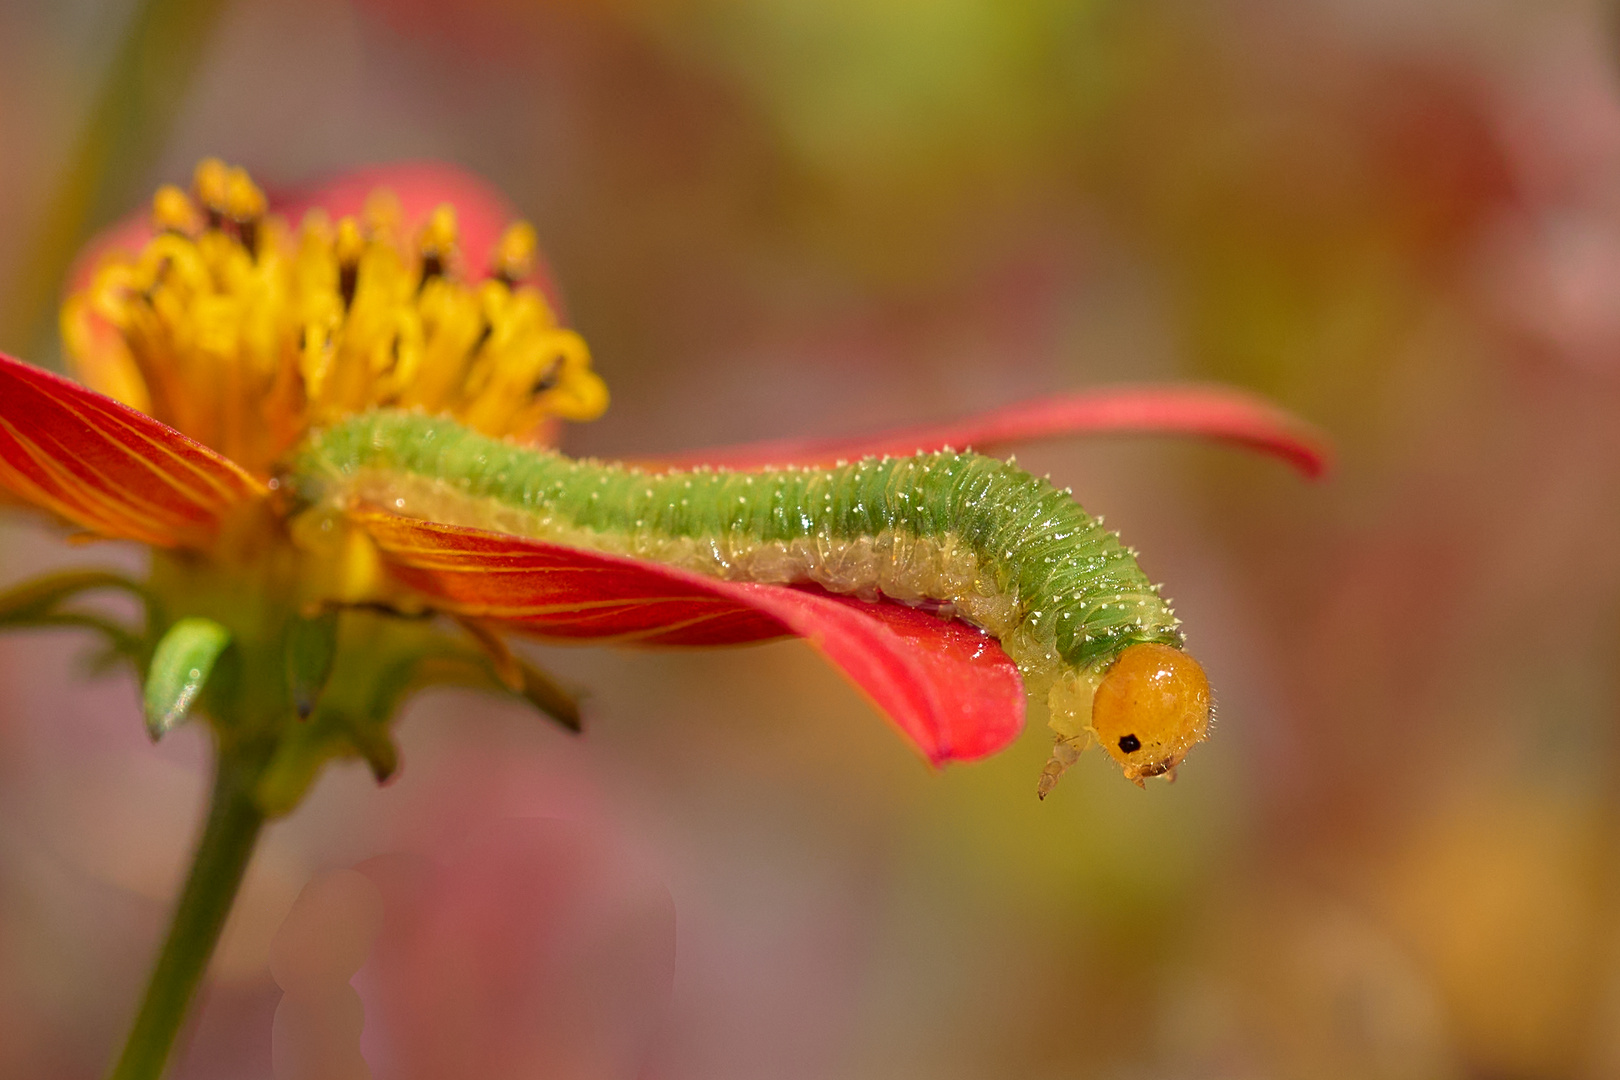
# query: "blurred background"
1399,857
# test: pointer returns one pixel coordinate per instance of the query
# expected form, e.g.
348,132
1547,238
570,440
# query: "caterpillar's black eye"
1130,743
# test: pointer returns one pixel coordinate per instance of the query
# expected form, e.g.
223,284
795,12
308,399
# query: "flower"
231,333
215,335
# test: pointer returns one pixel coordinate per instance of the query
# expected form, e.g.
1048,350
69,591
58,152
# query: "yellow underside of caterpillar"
937,571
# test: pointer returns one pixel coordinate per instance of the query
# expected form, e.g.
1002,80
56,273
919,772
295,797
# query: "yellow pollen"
350,243
210,181
245,334
382,215
172,211
514,254
439,234
243,200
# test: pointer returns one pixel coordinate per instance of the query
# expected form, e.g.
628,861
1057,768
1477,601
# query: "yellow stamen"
439,234
209,181
243,200
244,334
514,254
350,243
173,211
382,215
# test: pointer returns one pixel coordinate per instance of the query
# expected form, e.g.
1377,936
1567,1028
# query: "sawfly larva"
966,534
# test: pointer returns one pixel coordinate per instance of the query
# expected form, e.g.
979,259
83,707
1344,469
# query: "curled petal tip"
1224,414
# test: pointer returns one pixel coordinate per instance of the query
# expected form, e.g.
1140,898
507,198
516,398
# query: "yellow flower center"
244,334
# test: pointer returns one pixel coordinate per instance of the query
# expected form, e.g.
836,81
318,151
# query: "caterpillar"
970,535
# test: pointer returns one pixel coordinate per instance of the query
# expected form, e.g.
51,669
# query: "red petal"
106,467
482,214
949,687
1211,412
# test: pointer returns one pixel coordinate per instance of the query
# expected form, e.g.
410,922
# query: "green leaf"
180,668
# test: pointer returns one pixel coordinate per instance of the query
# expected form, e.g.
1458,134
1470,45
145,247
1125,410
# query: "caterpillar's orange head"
1150,709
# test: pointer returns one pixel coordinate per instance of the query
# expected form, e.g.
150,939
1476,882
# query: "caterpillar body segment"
977,537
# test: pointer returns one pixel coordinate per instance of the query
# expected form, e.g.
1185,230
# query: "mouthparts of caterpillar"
956,532
244,332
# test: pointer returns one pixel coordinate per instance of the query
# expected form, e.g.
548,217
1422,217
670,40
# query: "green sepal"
377,661
181,664
311,648
494,666
38,604
39,597
541,691
380,661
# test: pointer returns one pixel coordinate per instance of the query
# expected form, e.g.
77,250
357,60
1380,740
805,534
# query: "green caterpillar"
975,537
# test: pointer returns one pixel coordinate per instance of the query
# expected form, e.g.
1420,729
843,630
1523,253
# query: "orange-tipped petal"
1211,412
949,687
108,468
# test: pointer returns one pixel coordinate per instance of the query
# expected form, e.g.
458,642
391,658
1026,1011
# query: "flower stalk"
217,868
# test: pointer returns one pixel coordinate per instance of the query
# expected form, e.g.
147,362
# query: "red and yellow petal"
108,468
1211,412
948,687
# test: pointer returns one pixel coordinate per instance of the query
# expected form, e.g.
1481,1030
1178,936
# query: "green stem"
217,867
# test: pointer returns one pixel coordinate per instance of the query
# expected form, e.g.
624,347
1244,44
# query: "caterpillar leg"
1065,752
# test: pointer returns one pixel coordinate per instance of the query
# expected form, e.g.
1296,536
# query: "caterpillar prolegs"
977,537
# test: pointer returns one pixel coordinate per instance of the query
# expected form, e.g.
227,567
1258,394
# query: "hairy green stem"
217,868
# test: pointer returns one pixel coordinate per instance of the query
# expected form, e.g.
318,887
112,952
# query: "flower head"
243,331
